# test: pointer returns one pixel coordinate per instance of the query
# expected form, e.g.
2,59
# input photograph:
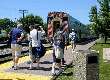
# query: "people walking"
64,28
63,48
57,50
72,37
16,35
36,36
32,57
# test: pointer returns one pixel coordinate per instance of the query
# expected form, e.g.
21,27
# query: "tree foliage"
45,26
6,24
104,13
94,19
30,20
105,17
93,14
100,20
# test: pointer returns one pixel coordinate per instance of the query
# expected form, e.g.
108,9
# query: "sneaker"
63,62
16,68
12,66
34,62
53,71
72,50
60,70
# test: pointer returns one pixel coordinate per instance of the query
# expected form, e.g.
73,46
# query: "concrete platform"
44,73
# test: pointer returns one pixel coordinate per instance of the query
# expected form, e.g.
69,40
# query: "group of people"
17,35
35,44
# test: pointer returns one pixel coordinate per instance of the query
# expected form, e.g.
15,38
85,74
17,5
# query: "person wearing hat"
17,36
57,49
72,37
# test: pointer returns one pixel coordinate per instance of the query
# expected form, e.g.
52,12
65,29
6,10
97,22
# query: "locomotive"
68,23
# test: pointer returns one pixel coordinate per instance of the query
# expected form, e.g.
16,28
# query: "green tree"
45,27
100,20
90,30
31,20
7,24
105,17
94,20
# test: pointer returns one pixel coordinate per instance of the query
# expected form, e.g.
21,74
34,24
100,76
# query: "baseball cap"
19,24
72,29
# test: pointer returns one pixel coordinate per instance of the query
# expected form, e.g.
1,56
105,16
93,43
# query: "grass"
67,74
104,67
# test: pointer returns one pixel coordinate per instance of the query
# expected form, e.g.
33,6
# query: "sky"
78,9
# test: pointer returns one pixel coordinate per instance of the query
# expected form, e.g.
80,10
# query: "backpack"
58,38
40,51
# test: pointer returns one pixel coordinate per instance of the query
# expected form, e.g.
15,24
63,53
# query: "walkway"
44,73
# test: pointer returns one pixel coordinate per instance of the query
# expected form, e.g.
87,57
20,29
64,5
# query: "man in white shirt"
35,41
36,36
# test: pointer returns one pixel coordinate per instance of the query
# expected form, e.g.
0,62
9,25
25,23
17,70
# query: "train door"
56,26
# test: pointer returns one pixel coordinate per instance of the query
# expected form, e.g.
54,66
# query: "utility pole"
23,12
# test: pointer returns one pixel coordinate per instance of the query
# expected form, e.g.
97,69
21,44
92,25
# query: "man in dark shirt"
16,35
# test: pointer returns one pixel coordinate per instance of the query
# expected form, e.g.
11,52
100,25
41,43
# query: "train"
61,18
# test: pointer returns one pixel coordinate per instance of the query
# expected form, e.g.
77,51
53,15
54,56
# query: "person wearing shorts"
16,38
32,58
36,36
72,37
57,51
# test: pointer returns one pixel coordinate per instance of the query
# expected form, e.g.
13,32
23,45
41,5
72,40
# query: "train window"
56,24
65,18
49,19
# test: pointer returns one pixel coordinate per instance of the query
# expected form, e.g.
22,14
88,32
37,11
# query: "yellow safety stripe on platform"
22,76
9,64
21,60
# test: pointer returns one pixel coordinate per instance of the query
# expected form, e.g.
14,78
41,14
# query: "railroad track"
6,55
5,52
